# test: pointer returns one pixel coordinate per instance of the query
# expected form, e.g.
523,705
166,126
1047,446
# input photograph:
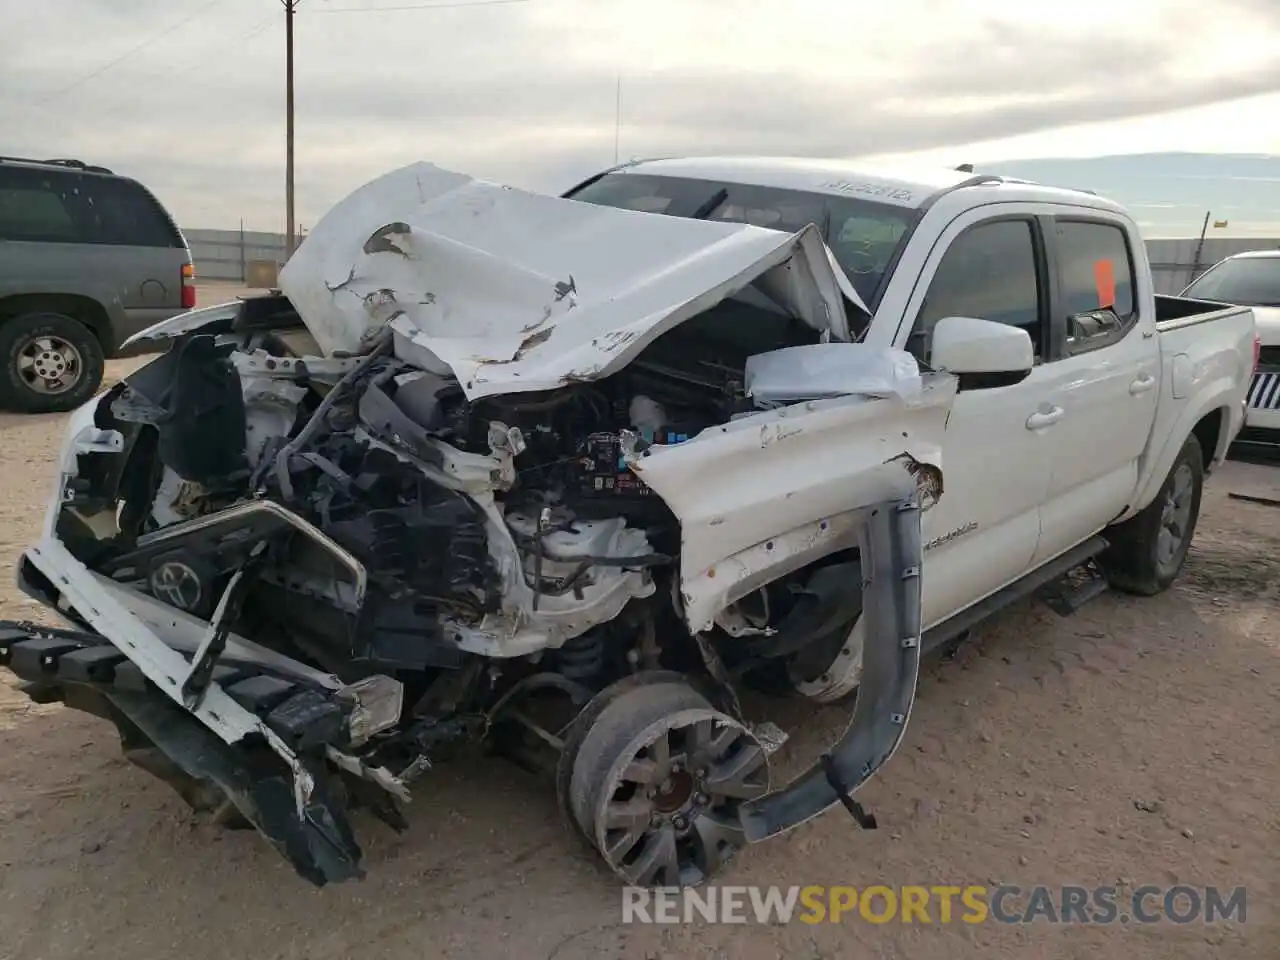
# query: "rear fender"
1156,469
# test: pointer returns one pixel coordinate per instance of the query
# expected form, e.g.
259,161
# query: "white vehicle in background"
558,475
1252,279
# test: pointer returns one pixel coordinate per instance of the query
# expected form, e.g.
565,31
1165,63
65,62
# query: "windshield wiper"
713,201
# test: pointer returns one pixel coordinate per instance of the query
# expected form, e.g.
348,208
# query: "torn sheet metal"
82,436
761,517
161,664
515,291
186,322
183,632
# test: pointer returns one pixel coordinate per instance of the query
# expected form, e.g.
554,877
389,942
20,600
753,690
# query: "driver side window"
989,272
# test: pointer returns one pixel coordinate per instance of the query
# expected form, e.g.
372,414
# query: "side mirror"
996,353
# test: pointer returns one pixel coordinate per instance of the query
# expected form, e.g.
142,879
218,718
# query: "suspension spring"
582,658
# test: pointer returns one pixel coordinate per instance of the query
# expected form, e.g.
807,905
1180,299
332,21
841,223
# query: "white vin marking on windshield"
870,189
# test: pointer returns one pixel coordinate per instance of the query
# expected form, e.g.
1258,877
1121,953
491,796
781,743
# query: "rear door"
1105,386
137,248
35,226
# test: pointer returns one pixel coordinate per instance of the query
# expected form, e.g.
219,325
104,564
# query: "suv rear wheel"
52,363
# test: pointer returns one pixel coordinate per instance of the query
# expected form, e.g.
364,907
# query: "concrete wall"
224,254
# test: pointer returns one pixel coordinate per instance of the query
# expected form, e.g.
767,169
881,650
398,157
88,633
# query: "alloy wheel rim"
50,365
667,814
1175,517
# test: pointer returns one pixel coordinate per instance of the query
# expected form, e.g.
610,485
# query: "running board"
949,630
1069,593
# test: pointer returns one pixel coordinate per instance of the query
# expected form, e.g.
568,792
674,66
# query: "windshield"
1248,281
864,236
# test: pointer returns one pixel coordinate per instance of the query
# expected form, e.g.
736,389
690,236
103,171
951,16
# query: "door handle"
1142,384
1044,418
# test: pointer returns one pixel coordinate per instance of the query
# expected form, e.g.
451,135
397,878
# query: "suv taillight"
1257,352
188,286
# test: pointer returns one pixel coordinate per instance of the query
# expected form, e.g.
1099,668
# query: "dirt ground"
1027,759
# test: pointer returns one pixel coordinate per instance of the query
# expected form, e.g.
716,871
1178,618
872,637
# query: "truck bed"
1175,312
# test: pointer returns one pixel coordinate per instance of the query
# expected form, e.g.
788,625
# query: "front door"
983,532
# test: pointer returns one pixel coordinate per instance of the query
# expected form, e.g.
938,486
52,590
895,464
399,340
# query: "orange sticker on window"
1104,279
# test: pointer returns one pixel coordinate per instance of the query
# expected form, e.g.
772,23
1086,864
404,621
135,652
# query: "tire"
77,354
1148,550
581,726
668,817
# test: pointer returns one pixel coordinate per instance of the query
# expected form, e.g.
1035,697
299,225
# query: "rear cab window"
49,205
1097,301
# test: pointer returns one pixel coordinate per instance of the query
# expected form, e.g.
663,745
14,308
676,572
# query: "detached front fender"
892,551
768,494
765,495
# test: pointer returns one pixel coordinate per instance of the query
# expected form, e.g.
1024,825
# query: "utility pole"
289,7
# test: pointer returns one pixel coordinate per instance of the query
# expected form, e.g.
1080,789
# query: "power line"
128,53
290,7
417,6
190,66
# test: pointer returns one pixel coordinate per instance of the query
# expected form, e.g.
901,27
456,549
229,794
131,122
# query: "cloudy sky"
187,95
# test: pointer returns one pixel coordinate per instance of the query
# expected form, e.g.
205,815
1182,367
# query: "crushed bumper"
246,777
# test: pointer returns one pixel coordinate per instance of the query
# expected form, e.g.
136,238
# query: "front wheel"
657,783
51,363
1148,550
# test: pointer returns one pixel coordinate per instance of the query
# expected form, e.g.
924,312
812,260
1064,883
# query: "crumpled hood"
515,291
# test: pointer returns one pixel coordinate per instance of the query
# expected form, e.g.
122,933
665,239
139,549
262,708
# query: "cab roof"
898,184
901,184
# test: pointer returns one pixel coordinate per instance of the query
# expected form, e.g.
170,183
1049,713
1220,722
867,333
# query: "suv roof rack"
57,162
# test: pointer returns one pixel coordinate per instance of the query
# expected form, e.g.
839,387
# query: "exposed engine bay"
509,520
338,565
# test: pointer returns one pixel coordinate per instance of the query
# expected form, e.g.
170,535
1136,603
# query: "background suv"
87,258
1252,279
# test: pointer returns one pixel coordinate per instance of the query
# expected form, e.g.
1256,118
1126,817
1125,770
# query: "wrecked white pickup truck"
558,475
